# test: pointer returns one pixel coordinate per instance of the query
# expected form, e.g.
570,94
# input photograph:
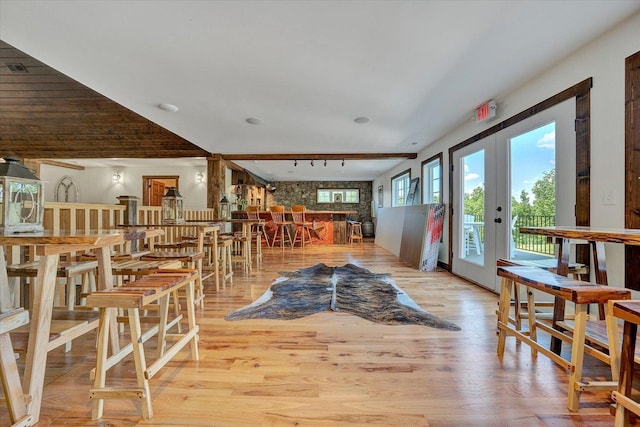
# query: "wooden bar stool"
225,259
11,385
241,251
302,226
282,226
134,297
355,232
253,212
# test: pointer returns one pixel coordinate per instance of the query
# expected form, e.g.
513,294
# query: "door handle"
498,220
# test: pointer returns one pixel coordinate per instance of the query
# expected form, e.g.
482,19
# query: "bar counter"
329,227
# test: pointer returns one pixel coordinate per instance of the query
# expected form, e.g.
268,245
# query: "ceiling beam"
311,156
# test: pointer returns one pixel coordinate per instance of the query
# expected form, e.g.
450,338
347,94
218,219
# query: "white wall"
95,183
603,60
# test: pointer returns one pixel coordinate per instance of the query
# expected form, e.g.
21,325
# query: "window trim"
394,196
427,182
342,194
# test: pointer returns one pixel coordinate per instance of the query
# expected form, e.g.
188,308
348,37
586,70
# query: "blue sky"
532,154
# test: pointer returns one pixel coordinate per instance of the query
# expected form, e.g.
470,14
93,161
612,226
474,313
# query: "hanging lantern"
21,198
172,207
225,207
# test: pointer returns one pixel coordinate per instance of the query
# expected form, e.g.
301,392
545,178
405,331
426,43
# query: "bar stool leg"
140,361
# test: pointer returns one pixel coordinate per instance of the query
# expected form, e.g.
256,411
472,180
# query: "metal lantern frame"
21,199
224,207
172,207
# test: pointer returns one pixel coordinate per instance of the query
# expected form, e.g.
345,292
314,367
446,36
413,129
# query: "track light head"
295,163
325,163
311,162
343,163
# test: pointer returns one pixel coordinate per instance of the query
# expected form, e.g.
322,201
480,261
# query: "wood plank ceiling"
44,114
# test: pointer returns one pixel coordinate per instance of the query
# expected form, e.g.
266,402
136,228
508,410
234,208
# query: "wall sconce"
199,177
116,178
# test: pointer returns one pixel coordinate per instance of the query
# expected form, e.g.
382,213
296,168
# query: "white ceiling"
417,69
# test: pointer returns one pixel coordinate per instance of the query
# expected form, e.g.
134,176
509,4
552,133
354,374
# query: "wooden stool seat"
115,255
133,297
190,259
191,256
9,375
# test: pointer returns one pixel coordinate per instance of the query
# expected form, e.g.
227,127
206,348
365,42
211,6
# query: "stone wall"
290,193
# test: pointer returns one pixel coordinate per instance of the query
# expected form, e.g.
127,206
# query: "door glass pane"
472,238
533,191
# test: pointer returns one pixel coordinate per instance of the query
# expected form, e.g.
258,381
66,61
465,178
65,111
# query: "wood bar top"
627,310
351,212
594,234
80,237
577,291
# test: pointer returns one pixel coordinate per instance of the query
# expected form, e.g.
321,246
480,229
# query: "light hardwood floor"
335,369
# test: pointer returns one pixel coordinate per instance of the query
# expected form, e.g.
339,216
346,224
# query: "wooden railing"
93,216
153,215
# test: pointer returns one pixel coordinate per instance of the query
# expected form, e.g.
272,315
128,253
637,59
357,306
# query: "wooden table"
596,237
49,246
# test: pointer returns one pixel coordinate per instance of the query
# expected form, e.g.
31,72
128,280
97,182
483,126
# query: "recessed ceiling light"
362,120
253,121
168,107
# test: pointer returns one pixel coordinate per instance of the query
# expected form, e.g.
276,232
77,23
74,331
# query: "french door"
522,175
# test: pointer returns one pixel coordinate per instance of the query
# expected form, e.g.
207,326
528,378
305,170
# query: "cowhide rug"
352,289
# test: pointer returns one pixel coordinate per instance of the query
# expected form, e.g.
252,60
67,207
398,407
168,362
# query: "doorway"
154,188
522,175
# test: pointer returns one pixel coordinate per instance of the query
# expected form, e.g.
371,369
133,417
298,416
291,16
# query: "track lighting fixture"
295,163
342,162
325,163
311,162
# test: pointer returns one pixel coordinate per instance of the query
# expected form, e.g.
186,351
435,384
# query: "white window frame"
432,180
400,188
344,195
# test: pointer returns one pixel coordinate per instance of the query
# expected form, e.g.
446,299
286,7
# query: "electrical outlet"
609,198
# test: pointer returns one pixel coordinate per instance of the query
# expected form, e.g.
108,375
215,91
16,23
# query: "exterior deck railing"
528,242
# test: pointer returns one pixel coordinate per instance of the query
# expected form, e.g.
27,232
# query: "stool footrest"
117,393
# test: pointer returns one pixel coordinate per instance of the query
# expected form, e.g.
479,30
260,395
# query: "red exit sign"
485,112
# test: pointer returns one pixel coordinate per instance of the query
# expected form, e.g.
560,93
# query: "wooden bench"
581,294
9,376
133,297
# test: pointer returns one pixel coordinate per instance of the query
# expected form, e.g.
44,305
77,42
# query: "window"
432,180
400,188
338,196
